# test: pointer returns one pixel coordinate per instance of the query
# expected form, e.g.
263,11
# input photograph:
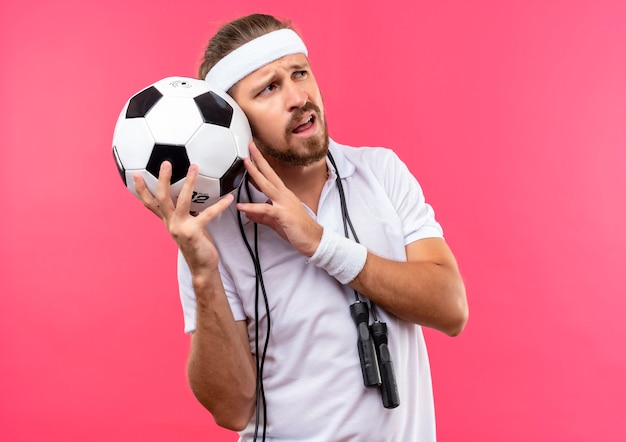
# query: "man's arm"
426,290
221,370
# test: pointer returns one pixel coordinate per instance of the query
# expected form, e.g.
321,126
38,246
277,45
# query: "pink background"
512,114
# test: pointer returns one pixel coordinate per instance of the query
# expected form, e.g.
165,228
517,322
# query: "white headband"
253,55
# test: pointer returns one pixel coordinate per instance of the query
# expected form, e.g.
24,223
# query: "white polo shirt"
312,377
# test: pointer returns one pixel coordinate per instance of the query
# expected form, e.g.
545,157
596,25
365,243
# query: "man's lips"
304,124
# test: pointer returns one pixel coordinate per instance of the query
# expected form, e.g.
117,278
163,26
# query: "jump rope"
372,342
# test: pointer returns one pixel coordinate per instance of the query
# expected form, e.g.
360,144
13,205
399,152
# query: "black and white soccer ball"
185,121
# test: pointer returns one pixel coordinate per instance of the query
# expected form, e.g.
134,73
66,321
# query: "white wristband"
341,257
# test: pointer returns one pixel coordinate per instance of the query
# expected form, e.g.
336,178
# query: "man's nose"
297,96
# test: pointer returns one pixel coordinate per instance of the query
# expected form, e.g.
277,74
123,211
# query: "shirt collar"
344,166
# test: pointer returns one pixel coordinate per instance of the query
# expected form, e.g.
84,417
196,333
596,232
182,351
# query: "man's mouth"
304,125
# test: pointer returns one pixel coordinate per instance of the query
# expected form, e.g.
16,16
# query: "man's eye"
269,88
300,74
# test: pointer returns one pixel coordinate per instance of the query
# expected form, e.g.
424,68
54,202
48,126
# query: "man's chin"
301,152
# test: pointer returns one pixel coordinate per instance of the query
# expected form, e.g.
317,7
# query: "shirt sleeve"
405,193
188,296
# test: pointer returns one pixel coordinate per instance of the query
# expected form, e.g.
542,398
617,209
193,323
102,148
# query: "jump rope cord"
347,222
259,361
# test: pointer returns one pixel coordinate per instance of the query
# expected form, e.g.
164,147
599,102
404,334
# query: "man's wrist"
341,257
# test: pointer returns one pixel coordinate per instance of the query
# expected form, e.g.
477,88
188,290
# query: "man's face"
285,110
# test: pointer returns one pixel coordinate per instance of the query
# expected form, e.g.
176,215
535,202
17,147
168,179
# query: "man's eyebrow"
271,76
299,66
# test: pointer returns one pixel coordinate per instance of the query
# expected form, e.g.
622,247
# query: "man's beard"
316,147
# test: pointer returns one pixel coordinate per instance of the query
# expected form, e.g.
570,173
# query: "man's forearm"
220,367
427,291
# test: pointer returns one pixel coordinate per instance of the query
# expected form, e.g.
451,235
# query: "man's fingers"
261,172
184,197
163,187
263,166
163,206
145,195
212,211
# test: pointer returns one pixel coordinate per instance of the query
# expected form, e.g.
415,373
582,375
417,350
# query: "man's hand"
285,212
188,231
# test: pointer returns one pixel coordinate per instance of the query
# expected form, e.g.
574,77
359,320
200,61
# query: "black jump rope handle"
365,344
389,387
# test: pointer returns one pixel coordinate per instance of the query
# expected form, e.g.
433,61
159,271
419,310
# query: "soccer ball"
184,121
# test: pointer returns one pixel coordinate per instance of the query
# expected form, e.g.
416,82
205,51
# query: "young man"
319,227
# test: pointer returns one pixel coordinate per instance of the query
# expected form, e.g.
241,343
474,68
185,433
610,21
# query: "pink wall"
511,113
